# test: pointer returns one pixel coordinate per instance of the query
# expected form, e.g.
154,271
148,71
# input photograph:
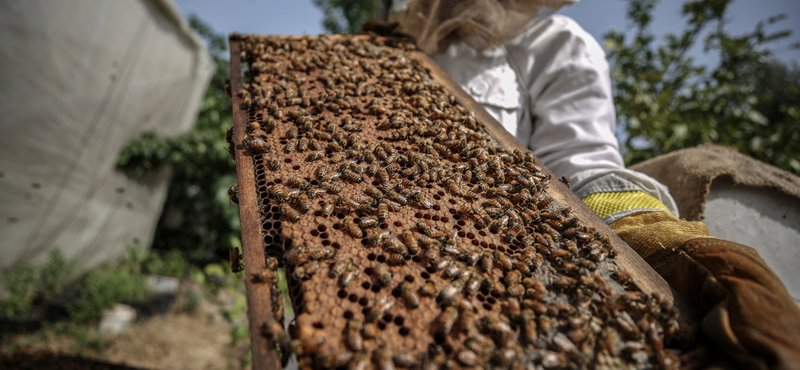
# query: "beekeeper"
546,80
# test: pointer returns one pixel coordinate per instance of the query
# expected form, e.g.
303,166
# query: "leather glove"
745,308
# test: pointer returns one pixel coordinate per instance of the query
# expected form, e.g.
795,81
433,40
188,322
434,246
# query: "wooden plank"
265,354
645,278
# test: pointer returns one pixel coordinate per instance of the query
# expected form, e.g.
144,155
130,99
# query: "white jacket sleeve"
569,97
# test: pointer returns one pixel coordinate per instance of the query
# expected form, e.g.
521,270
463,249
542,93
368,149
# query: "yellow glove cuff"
650,232
606,204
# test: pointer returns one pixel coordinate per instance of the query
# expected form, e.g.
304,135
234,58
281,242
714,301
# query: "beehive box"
414,231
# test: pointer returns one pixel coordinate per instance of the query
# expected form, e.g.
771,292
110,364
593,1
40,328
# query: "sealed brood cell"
410,238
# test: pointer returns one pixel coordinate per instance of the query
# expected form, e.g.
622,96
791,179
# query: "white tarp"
78,80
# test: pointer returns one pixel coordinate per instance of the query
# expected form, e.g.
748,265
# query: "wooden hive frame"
259,296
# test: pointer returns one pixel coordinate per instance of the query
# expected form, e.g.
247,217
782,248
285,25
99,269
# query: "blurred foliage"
53,286
347,16
102,287
199,219
20,284
665,101
172,263
28,286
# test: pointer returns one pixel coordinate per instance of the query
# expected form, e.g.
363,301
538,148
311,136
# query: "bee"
290,145
383,211
302,145
314,193
453,188
384,175
256,144
382,275
487,262
353,229
291,133
515,230
393,206
472,286
277,193
347,202
298,182
515,290
334,147
368,222
352,176
393,245
393,168
277,302
352,335
377,238
327,209
314,144
409,294
304,203
441,264
541,200
566,182
323,253
331,188
266,276
372,170
397,197
423,200
339,267
383,359
321,135
499,330
290,213
274,330
503,260
306,270
272,262
274,164
369,330
446,320
327,359
428,289
348,276
376,312
452,271
449,294
527,241
233,194
396,259
337,157
313,156
270,125
410,242
236,260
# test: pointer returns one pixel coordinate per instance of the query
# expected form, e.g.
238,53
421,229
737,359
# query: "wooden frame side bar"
265,353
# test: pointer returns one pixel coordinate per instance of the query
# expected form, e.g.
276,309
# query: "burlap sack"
688,174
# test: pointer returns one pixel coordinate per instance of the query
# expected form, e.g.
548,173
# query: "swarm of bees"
410,238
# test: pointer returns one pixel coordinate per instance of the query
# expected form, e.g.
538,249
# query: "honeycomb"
412,239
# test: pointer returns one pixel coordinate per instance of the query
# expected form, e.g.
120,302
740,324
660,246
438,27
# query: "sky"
298,17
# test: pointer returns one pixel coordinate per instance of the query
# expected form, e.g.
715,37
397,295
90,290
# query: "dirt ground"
180,341
201,339
173,341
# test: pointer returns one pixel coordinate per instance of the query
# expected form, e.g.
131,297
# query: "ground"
202,338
